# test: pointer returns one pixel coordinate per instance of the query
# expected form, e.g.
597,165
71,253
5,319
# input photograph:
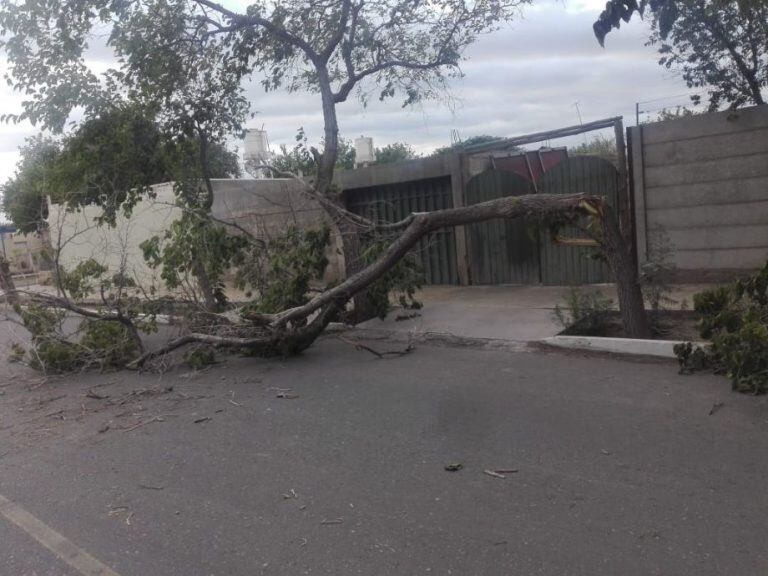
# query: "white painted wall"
263,207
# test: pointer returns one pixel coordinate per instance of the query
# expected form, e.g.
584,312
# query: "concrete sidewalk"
512,313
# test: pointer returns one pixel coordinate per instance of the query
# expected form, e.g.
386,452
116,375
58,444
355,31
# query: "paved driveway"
622,468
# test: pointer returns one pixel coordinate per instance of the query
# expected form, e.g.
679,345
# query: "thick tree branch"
241,21
539,205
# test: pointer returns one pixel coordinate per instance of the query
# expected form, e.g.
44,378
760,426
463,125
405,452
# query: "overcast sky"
524,78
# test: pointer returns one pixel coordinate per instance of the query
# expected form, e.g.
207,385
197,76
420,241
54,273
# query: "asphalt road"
621,468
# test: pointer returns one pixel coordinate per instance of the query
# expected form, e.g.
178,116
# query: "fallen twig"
381,355
494,474
334,521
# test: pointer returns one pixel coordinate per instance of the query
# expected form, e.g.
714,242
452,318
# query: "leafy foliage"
618,11
200,357
472,141
110,161
195,246
283,271
599,146
395,152
24,195
718,45
735,319
402,281
301,159
675,113
63,342
584,312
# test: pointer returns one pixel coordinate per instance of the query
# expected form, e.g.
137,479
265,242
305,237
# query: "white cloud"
523,78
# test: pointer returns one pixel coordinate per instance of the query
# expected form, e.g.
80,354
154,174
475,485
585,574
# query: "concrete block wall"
700,185
263,207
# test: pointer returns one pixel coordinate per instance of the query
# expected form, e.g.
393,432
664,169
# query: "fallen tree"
292,330
185,61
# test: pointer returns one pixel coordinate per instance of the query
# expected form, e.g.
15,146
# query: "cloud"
526,77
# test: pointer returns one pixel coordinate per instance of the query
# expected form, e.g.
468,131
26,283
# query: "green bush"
735,319
584,313
200,358
402,281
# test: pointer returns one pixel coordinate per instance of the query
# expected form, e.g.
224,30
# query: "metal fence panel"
573,265
501,251
437,252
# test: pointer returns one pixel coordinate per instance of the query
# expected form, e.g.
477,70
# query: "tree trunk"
619,254
350,235
204,283
6,282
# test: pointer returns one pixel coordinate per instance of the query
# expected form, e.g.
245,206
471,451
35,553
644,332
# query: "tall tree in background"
171,48
395,152
720,46
109,161
185,59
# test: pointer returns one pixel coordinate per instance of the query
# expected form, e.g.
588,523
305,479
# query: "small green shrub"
402,281
735,319
108,341
282,272
200,358
584,313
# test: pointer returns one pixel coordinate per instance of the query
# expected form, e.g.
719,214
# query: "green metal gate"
501,251
574,265
394,202
515,251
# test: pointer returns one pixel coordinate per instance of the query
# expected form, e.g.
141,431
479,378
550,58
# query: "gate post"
456,162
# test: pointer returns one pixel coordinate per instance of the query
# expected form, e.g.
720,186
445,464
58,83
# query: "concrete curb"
436,338
637,347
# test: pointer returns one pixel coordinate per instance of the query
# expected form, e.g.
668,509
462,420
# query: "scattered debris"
128,518
380,355
290,494
150,487
116,511
303,542
605,452
287,396
494,474
203,419
160,418
401,317
454,466
716,407
334,521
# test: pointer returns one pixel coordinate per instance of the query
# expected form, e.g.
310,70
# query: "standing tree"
331,48
188,58
718,45
395,152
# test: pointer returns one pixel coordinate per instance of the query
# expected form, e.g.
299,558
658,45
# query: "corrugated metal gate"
394,202
501,251
513,251
573,265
